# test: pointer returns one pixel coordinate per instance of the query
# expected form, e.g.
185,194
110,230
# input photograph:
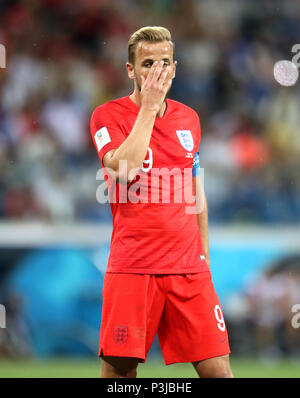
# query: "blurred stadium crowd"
261,317
64,58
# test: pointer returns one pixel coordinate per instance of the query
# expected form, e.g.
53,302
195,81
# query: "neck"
136,98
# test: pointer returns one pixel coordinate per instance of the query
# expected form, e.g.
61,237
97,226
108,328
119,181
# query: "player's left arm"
201,208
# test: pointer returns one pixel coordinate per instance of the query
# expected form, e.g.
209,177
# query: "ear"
130,70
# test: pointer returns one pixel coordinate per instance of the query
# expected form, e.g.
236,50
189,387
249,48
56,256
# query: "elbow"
122,171
126,174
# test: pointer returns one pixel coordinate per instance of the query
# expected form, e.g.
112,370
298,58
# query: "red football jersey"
155,229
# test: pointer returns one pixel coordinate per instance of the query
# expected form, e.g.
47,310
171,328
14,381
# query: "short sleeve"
105,130
198,131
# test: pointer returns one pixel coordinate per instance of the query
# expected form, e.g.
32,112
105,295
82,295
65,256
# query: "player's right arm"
134,149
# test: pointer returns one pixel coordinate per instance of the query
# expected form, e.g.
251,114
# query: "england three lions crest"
186,139
120,334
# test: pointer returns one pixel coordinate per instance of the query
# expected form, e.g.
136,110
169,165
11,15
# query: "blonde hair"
148,33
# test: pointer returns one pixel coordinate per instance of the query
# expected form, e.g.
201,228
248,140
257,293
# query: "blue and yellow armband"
196,165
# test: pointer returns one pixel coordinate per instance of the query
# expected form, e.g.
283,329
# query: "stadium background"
63,58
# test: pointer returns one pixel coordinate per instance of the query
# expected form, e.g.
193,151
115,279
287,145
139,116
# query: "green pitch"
82,368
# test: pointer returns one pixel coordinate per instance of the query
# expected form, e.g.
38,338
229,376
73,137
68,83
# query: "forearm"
202,215
134,149
203,227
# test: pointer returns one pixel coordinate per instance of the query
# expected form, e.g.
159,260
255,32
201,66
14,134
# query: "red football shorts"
183,309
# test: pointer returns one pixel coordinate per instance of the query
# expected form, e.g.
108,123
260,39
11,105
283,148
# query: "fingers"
167,83
151,71
156,84
157,71
157,74
163,76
